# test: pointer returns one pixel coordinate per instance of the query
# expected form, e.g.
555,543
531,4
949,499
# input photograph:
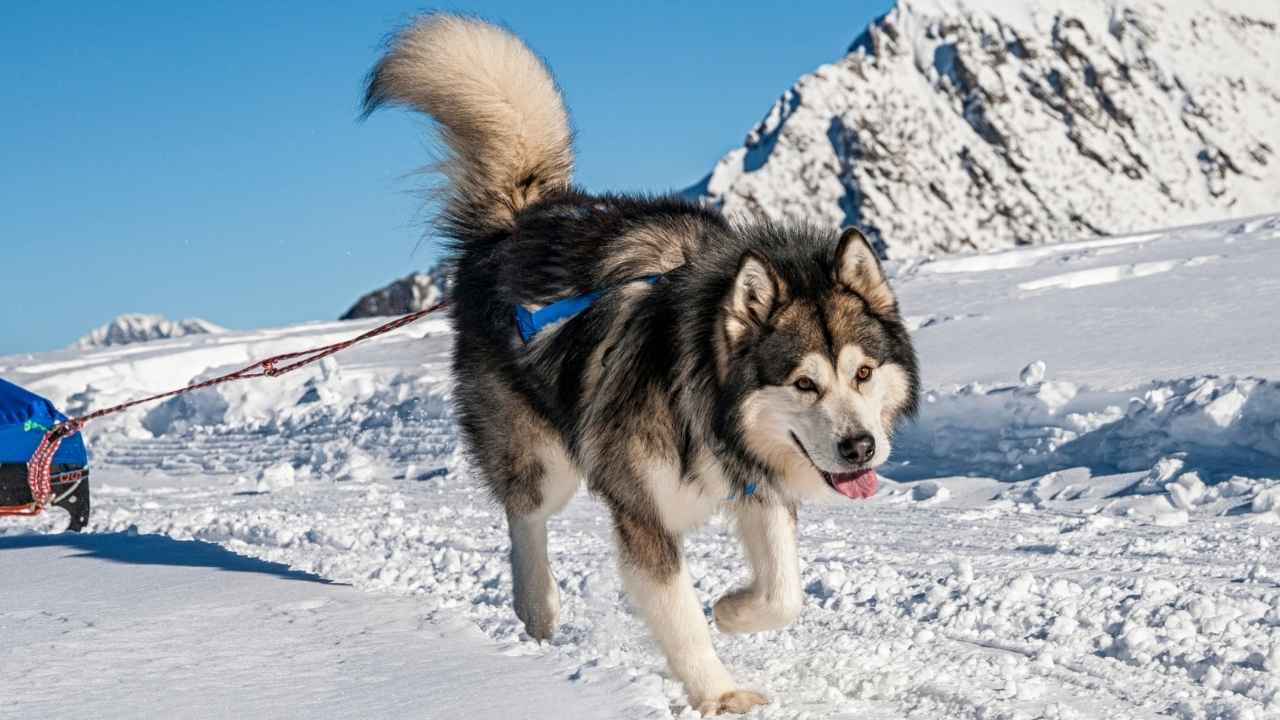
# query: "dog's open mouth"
856,485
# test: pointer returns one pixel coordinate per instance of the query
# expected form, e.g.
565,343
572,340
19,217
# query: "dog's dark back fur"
571,243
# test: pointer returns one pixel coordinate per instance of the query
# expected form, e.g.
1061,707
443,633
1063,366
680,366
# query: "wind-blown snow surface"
132,626
977,124
1083,523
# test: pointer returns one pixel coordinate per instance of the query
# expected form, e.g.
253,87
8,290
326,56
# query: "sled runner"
25,418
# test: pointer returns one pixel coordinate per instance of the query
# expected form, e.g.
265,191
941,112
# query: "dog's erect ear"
858,268
756,291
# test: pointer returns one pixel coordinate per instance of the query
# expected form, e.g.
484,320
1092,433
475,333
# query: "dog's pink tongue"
855,485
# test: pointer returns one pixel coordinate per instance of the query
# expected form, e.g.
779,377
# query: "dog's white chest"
685,504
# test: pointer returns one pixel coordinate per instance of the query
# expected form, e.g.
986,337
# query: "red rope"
39,467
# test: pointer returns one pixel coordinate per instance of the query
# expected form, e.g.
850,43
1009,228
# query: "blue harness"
532,322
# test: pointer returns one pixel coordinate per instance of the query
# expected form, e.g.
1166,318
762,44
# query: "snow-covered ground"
1083,523
125,625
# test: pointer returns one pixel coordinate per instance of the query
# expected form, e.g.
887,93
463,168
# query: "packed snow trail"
144,626
1109,554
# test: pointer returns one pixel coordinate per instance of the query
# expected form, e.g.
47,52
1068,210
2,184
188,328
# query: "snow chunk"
1161,473
1186,491
1033,373
358,467
1266,501
1056,395
277,477
930,490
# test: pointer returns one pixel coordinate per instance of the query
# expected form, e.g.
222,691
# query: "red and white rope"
39,467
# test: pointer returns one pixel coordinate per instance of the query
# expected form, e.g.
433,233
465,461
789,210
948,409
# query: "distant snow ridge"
954,125
408,294
136,328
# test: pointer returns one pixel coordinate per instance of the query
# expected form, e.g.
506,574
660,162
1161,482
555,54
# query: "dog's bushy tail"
500,114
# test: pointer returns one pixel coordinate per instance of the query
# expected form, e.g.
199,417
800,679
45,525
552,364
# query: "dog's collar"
531,322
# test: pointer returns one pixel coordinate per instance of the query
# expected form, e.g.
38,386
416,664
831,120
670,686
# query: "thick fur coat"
767,364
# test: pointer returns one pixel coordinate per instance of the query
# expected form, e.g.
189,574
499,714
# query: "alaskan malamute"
678,361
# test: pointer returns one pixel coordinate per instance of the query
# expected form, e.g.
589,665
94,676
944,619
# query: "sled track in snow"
248,452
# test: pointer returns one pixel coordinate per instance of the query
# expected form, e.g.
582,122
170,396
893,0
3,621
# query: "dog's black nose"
857,449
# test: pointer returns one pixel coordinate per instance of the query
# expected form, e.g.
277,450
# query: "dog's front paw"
734,701
744,611
540,612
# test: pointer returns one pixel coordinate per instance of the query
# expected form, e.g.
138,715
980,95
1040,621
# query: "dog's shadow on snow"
136,549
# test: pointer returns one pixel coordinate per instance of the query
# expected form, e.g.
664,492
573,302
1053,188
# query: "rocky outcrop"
408,294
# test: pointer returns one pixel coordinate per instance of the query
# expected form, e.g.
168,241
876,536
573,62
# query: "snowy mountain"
136,328
1081,524
957,125
411,293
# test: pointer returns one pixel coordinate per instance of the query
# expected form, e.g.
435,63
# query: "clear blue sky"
205,159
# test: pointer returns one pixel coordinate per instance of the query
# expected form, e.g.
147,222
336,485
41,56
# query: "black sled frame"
70,492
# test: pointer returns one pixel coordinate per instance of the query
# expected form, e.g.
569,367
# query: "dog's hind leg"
537,598
774,597
654,574
524,464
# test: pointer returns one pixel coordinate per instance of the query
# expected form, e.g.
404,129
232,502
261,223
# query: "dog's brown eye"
864,373
804,384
